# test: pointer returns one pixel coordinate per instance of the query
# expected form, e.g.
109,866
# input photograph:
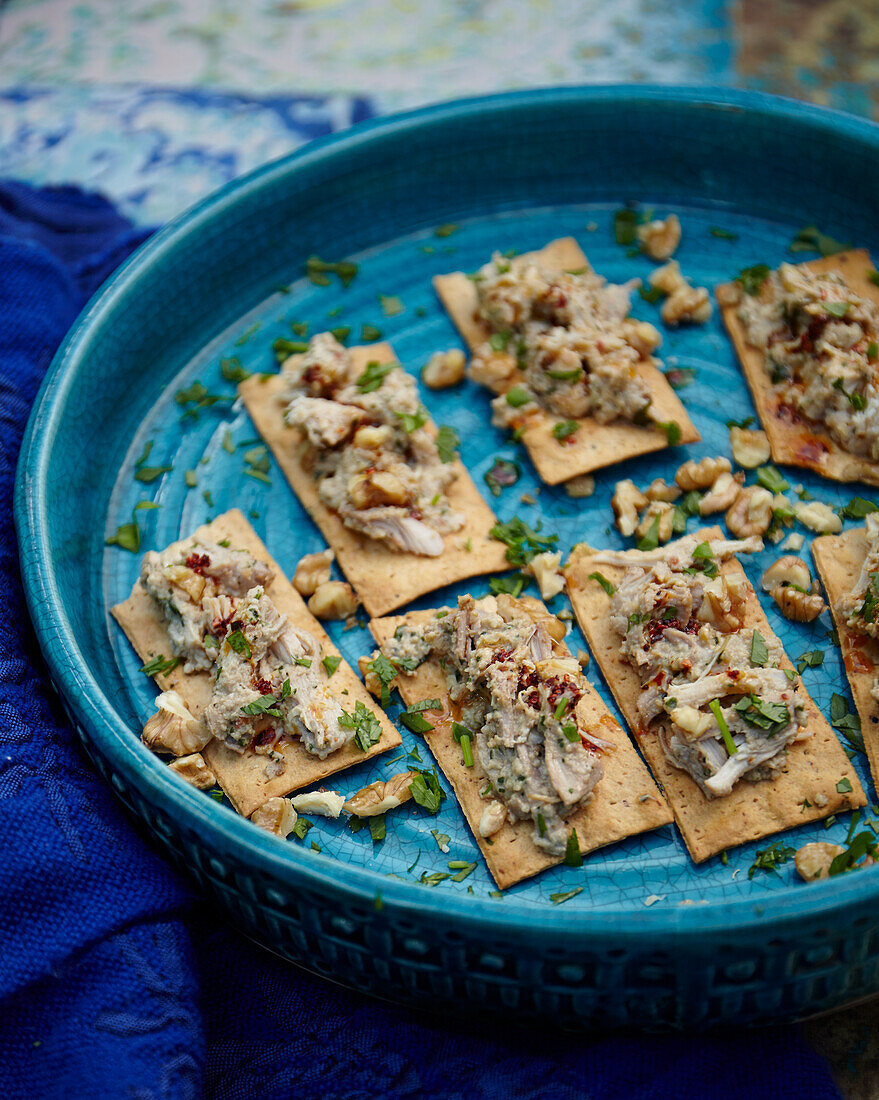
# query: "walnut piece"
818,516
322,803
799,607
333,600
493,369
665,512
722,494
493,817
794,541
668,278
644,337
659,239
372,437
688,305
751,513
581,486
444,369
786,570
380,796
813,860
276,816
173,728
749,448
702,474
194,770
627,501
658,489
377,489
312,571
546,570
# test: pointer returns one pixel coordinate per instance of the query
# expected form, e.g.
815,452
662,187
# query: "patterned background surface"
158,102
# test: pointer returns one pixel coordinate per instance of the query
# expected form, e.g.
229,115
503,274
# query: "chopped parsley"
369,334
391,305
837,309
374,376
573,857
604,582
385,673
672,431
300,829
305,662
844,786
772,717
652,295
858,508
560,899
463,868
161,665
256,463
625,225
864,844
522,541
319,271
266,704
811,239
813,658
517,397
413,421
848,724
330,664
723,234
855,399
426,791
126,537
446,230
650,540
759,650
367,728
751,279
447,443
500,340
746,423
413,719
239,644
564,429
510,585
283,348
341,333
502,474
771,858
770,478
196,397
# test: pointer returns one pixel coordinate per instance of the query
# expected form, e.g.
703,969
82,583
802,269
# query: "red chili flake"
197,562
264,737
263,686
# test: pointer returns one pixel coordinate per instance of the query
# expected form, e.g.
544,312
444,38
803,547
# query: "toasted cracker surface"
242,775
751,810
384,578
792,439
626,801
838,559
593,445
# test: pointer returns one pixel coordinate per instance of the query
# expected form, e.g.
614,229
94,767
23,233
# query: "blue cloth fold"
115,980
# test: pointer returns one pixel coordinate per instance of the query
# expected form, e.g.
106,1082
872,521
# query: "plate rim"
220,828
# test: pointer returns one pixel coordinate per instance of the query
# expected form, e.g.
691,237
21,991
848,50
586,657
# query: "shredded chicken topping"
572,346
821,345
860,607
266,685
725,708
375,455
518,703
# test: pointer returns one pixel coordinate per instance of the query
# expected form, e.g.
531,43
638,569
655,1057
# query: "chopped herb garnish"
564,429
232,370
502,474
447,443
723,234
814,658
300,829
604,582
318,270
689,505
844,786
390,304
848,724
442,840
652,295
127,537
266,704
772,717
858,508
377,828
811,239
770,478
463,868
148,474
374,376
426,790
625,225
411,422
714,707
330,664
367,728
751,279
759,650
434,878
299,327
522,541
385,673
148,446
863,845
746,423
510,585
446,230
283,348
341,333
517,397
672,431
855,399
573,857
161,665
239,643
837,309
369,334
560,899
499,340
228,444
413,720
305,662
565,375
650,539
771,858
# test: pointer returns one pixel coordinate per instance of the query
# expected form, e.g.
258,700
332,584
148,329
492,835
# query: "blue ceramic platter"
222,283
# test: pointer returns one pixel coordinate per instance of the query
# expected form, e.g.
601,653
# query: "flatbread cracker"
626,801
838,559
242,775
594,445
793,439
384,578
751,810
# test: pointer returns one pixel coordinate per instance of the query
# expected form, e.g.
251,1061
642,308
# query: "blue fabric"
115,981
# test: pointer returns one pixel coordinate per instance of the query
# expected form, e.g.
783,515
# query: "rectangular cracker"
791,439
242,775
594,445
751,810
626,800
838,559
384,578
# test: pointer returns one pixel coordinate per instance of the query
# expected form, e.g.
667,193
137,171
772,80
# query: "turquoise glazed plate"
638,936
